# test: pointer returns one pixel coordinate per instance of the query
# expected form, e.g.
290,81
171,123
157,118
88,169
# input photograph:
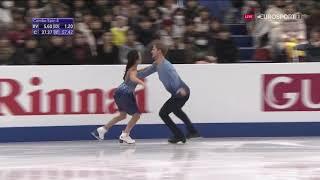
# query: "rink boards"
67,102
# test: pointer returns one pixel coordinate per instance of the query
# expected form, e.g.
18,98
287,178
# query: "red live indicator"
248,17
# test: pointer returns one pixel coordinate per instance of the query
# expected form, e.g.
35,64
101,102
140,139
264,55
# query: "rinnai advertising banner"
234,94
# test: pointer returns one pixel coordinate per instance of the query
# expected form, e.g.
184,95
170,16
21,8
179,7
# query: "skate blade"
179,142
195,138
124,142
97,137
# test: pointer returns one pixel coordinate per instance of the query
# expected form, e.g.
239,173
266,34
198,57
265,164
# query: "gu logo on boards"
291,92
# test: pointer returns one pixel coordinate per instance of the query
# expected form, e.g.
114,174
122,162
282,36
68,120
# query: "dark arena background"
242,78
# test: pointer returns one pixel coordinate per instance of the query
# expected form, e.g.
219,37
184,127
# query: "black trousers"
174,105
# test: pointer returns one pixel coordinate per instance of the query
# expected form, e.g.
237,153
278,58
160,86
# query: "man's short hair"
163,48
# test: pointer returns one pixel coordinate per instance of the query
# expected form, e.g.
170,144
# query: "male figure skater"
179,91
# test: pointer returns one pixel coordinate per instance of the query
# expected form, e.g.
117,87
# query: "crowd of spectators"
106,30
281,39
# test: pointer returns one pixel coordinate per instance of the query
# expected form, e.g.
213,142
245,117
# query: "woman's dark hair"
133,57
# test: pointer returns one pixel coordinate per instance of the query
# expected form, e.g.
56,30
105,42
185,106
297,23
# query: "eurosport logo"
280,16
250,17
291,92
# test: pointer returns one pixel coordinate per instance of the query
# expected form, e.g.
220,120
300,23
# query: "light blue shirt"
167,75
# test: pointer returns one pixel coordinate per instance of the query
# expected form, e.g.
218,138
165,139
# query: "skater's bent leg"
183,116
132,122
164,114
116,119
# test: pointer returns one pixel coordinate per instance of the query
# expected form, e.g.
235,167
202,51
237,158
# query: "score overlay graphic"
52,26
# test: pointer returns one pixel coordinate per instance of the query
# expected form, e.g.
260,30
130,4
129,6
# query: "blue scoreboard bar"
52,26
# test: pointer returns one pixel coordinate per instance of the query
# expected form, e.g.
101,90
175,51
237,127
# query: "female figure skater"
125,99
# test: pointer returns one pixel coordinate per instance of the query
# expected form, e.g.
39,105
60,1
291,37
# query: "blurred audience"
8,53
33,54
6,9
293,32
272,26
19,33
192,9
166,33
251,7
107,52
119,30
130,44
312,48
284,35
177,53
106,30
168,8
80,50
312,21
203,20
224,42
262,52
145,31
58,52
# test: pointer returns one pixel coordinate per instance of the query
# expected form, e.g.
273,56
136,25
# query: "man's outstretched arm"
143,73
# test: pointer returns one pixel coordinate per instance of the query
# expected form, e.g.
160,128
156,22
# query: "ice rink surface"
202,159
